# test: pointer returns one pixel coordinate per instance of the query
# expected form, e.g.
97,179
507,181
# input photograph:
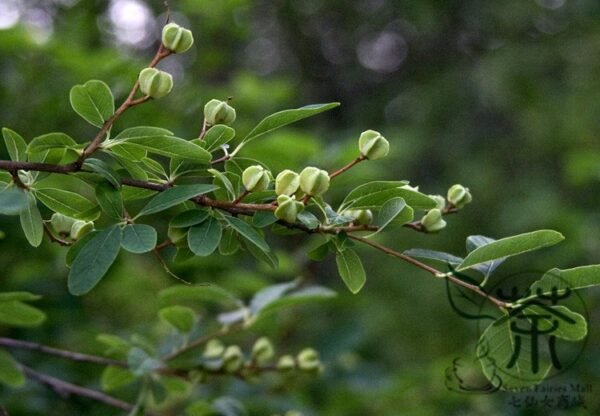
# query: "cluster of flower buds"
70,227
459,196
288,208
360,216
372,145
218,112
256,178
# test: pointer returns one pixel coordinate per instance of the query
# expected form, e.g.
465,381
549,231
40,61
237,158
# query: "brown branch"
201,341
65,389
70,355
240,197
348,166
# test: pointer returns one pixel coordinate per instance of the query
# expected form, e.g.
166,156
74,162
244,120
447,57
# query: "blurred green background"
503,97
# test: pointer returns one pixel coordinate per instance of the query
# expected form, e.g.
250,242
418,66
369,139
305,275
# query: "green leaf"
13,200
128,151
475,241
138,238
67,203
11,374
18,296
557,320
230,243
319,252
110,200
217,136
94,260
283,118
204,239
309,219
373,195
495,351
162,142
560,281
189,218
270,294
299,297
50,141
262,219
368,190
268,257
202,293
76,248
115,377
247,232
16,313
103,169
351,270
433,255
179,317
175,196
511,246
389,212
31,222
93,101
15,144
224,181
140,363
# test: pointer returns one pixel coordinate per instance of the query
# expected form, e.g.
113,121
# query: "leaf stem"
347,167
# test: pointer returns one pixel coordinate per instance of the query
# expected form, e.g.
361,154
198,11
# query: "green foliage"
93,101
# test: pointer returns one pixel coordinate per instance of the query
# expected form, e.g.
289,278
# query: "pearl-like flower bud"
373,145
61,223
440,201
80,229
256,178
361,216
177,38
287,182
213,349
314,181
233,358
218,112
155,83
288,208
263,350
433,221
285,363
459,196
308,360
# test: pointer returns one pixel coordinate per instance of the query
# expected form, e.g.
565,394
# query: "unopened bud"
256,178
263,350
440,201
308,360
361,216
373,145
80,229
155,83
459,196
233,358
287,182
61,223
433,221
285,363
314,181
213,349
218,112
288,208
177,38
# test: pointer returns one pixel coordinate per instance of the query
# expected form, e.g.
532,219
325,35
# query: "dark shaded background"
500,96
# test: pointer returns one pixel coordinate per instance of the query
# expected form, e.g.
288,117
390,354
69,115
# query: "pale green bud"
293,413
61,223
287,182
155,83
285,363
177,38
440,201
308,360
233,358
213,349
256,178
288,208
373,145
433,221
218,112
459,196
314,181
177,236
361,216
80,229
263,350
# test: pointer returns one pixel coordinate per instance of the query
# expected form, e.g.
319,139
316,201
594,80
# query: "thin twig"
70,355
226,330
348,166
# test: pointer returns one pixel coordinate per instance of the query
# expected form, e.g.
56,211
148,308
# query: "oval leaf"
511,246
138,238
50,141
15,144
351,270
247,232
110,200
67,203
31,222
179,317
93,101
11,374
204,239
174,196
94,260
